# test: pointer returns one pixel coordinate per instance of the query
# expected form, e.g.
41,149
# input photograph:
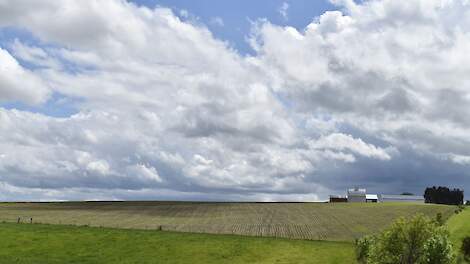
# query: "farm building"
360,195
400,198
372,198
338,199
357,195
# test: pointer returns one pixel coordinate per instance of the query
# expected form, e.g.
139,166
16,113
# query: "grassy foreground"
315,221
459,227
26,243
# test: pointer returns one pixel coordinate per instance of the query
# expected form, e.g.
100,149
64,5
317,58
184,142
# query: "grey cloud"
397,101
451,105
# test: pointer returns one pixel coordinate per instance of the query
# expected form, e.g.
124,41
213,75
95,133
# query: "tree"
443,195
418,240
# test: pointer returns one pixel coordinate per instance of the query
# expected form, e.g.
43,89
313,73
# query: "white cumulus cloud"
371,93
18,83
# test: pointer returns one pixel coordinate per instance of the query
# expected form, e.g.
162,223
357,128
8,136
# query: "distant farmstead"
360,195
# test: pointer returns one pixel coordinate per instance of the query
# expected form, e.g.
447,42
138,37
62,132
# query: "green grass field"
314,221
35,244
459,227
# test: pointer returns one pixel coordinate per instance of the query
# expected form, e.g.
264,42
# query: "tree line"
443,195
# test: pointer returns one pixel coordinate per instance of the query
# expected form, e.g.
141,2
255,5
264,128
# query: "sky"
232,100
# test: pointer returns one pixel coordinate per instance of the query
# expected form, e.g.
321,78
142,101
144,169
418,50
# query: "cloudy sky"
232,100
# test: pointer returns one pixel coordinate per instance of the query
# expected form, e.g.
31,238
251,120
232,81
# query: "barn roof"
371,197
402,197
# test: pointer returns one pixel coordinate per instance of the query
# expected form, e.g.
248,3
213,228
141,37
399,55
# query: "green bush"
418,240
438,249
439,219
466,247
362,248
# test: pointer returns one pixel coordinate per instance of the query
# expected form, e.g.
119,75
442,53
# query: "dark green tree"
443,195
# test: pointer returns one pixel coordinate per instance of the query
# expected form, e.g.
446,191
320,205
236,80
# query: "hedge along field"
25,243
314,221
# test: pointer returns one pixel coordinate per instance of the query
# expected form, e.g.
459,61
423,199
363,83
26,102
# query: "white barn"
372,198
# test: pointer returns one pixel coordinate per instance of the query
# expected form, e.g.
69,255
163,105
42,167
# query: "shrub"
418,240
439,219
438,249
459,209
466,247
362,248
